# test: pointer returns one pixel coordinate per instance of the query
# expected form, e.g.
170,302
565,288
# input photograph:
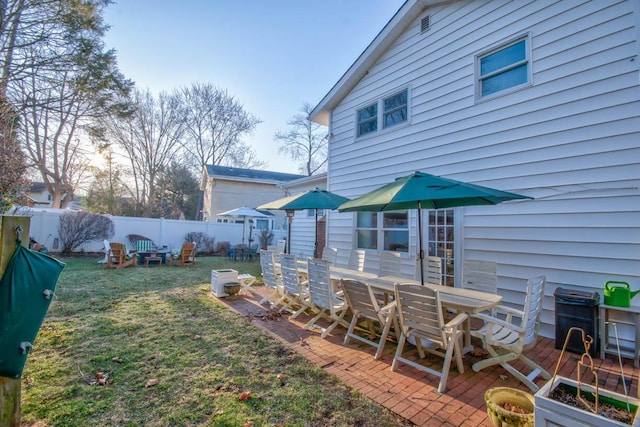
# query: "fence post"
10,388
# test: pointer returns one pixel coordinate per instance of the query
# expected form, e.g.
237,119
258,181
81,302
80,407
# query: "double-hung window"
503,68
387,231
395,109
368,119
384,113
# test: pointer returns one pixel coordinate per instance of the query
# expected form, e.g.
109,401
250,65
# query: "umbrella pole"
244,219
421,253
290,218
315,243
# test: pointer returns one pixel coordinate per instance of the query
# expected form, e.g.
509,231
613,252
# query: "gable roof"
240,174
37,187
407,13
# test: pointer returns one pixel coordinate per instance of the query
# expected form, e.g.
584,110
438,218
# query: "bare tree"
216,124
78,228
107,193
306,142
150,138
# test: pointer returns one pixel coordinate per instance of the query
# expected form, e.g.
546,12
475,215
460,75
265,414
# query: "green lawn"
150,347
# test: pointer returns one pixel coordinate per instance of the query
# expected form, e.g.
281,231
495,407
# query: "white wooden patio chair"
330,254
397,264
296,291
432,268
324,299
271,277
356,259
342,257
421,317
509,332
480,276
365,304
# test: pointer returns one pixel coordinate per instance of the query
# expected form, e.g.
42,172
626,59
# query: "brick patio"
410,393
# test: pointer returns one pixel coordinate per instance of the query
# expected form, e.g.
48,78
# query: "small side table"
246,280
152,258
605,346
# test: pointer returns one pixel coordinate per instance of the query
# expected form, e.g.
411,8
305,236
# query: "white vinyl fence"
169,232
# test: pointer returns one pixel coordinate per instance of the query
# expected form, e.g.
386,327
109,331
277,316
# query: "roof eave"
407,13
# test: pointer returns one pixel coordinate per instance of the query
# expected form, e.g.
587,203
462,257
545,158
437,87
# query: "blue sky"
272,55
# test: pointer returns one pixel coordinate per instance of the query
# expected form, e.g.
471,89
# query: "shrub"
222,248
266,237
78,228
204,243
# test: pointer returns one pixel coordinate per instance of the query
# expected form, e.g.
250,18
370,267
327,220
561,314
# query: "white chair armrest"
490,321
454,323
508,312
391,306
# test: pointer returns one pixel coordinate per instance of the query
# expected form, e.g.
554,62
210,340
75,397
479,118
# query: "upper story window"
368,119
395,109
504,68
384,113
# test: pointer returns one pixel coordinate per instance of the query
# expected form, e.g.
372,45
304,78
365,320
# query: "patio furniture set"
435,319
117,256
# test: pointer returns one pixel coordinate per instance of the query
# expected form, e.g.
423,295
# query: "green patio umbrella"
424,191
312,199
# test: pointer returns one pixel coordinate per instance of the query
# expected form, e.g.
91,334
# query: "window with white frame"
395,109
367,230
388,231
384,113
503,68
395,231
368,119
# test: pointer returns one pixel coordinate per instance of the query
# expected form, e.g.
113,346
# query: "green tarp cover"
26,290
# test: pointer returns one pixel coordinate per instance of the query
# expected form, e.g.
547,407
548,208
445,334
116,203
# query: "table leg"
636,355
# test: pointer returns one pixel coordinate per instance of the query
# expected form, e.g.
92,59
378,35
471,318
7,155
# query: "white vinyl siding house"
304,221
566,132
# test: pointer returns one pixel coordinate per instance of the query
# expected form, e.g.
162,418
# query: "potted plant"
508,406
577,403
266,237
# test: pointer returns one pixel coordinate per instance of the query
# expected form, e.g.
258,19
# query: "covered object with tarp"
26,291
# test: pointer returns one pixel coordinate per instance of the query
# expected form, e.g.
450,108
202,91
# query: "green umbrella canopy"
312,199
425,191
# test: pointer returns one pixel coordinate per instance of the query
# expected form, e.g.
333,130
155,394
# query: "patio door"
440,241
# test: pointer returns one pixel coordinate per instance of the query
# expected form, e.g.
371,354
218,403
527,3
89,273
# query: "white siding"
570,140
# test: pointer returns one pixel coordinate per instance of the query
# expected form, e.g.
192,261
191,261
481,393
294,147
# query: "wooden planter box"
551,413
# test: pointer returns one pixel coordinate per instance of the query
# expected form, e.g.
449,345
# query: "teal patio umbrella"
424,191
312,199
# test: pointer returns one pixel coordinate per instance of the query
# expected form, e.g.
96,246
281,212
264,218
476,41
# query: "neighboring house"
38,196
227,188
539,98
303,224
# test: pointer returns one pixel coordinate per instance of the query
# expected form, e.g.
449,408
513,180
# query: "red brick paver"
410,393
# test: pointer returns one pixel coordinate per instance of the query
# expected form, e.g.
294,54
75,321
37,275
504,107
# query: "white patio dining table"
464,300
